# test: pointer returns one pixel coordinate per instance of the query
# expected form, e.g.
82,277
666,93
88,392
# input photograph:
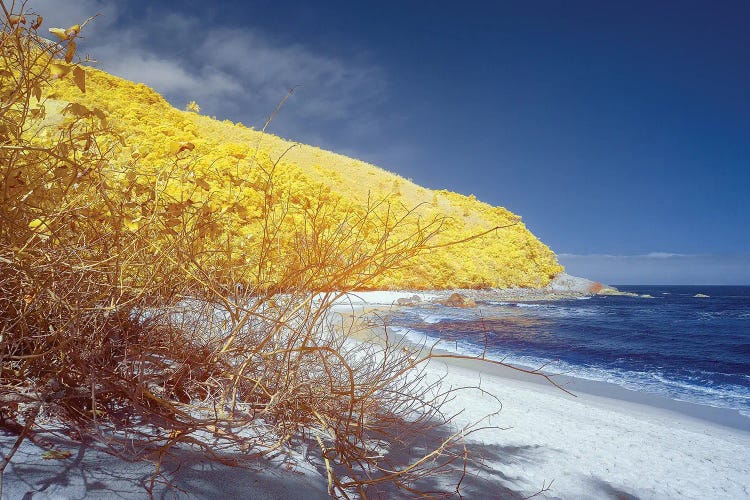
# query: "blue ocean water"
689,348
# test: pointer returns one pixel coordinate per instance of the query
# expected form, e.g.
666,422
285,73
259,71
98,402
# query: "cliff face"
224,158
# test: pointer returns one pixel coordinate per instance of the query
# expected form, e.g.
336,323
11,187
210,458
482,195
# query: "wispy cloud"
232,72
660,268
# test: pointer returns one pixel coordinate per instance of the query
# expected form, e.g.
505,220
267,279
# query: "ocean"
675,344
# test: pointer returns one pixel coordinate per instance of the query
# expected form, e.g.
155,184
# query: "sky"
619,131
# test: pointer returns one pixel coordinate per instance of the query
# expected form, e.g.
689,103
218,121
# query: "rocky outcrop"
414,300
458,300
565,283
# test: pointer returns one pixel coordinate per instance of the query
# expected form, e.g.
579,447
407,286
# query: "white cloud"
233,73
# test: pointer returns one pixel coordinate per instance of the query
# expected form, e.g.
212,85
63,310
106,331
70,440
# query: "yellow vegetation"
216,161
142,252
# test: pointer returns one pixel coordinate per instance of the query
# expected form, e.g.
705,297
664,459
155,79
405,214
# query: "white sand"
589,447
597,447
93,474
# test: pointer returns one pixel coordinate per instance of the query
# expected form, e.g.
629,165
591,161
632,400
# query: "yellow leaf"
59,33
56,455
59,70
36,223
73,31
132,224
70,52
79,75
14,20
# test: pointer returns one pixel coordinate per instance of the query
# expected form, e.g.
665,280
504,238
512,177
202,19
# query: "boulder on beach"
458,300
409,301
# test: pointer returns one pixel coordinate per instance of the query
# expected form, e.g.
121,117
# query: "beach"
602,441
595,446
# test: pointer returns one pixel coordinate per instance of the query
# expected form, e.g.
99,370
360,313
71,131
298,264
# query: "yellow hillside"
219,162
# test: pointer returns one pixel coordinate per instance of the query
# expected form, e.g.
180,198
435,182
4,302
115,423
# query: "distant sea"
687,348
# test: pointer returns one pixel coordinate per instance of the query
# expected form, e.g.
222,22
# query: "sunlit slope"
153,132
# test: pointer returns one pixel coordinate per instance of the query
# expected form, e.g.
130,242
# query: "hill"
220,161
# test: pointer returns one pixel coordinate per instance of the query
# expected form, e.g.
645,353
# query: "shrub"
149,304
131,306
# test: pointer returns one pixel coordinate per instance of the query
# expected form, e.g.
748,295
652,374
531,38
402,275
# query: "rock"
458,300
409,301
565,283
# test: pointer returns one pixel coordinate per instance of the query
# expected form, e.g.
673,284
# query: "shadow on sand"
91,473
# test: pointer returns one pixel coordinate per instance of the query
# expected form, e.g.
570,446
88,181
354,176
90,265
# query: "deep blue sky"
617,129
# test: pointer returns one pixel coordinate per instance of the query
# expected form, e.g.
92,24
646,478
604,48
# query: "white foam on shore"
431,319
730,396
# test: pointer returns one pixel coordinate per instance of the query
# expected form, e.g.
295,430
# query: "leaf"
59,70
79,75
132,224
175,209
79,110
73,31
41,228
241,211
14,20
59,33
37,23
70,52
62,172
175,434
37,113
100,114
202,183
186,146
36,91
56,454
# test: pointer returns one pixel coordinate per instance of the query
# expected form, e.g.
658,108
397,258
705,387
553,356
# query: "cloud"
660,268
235,73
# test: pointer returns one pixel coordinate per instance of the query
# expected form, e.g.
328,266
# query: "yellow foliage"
166,266
222,165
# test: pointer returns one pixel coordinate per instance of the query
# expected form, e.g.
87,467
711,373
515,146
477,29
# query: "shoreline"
581,387
586,388
386,300
605,442
600,445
